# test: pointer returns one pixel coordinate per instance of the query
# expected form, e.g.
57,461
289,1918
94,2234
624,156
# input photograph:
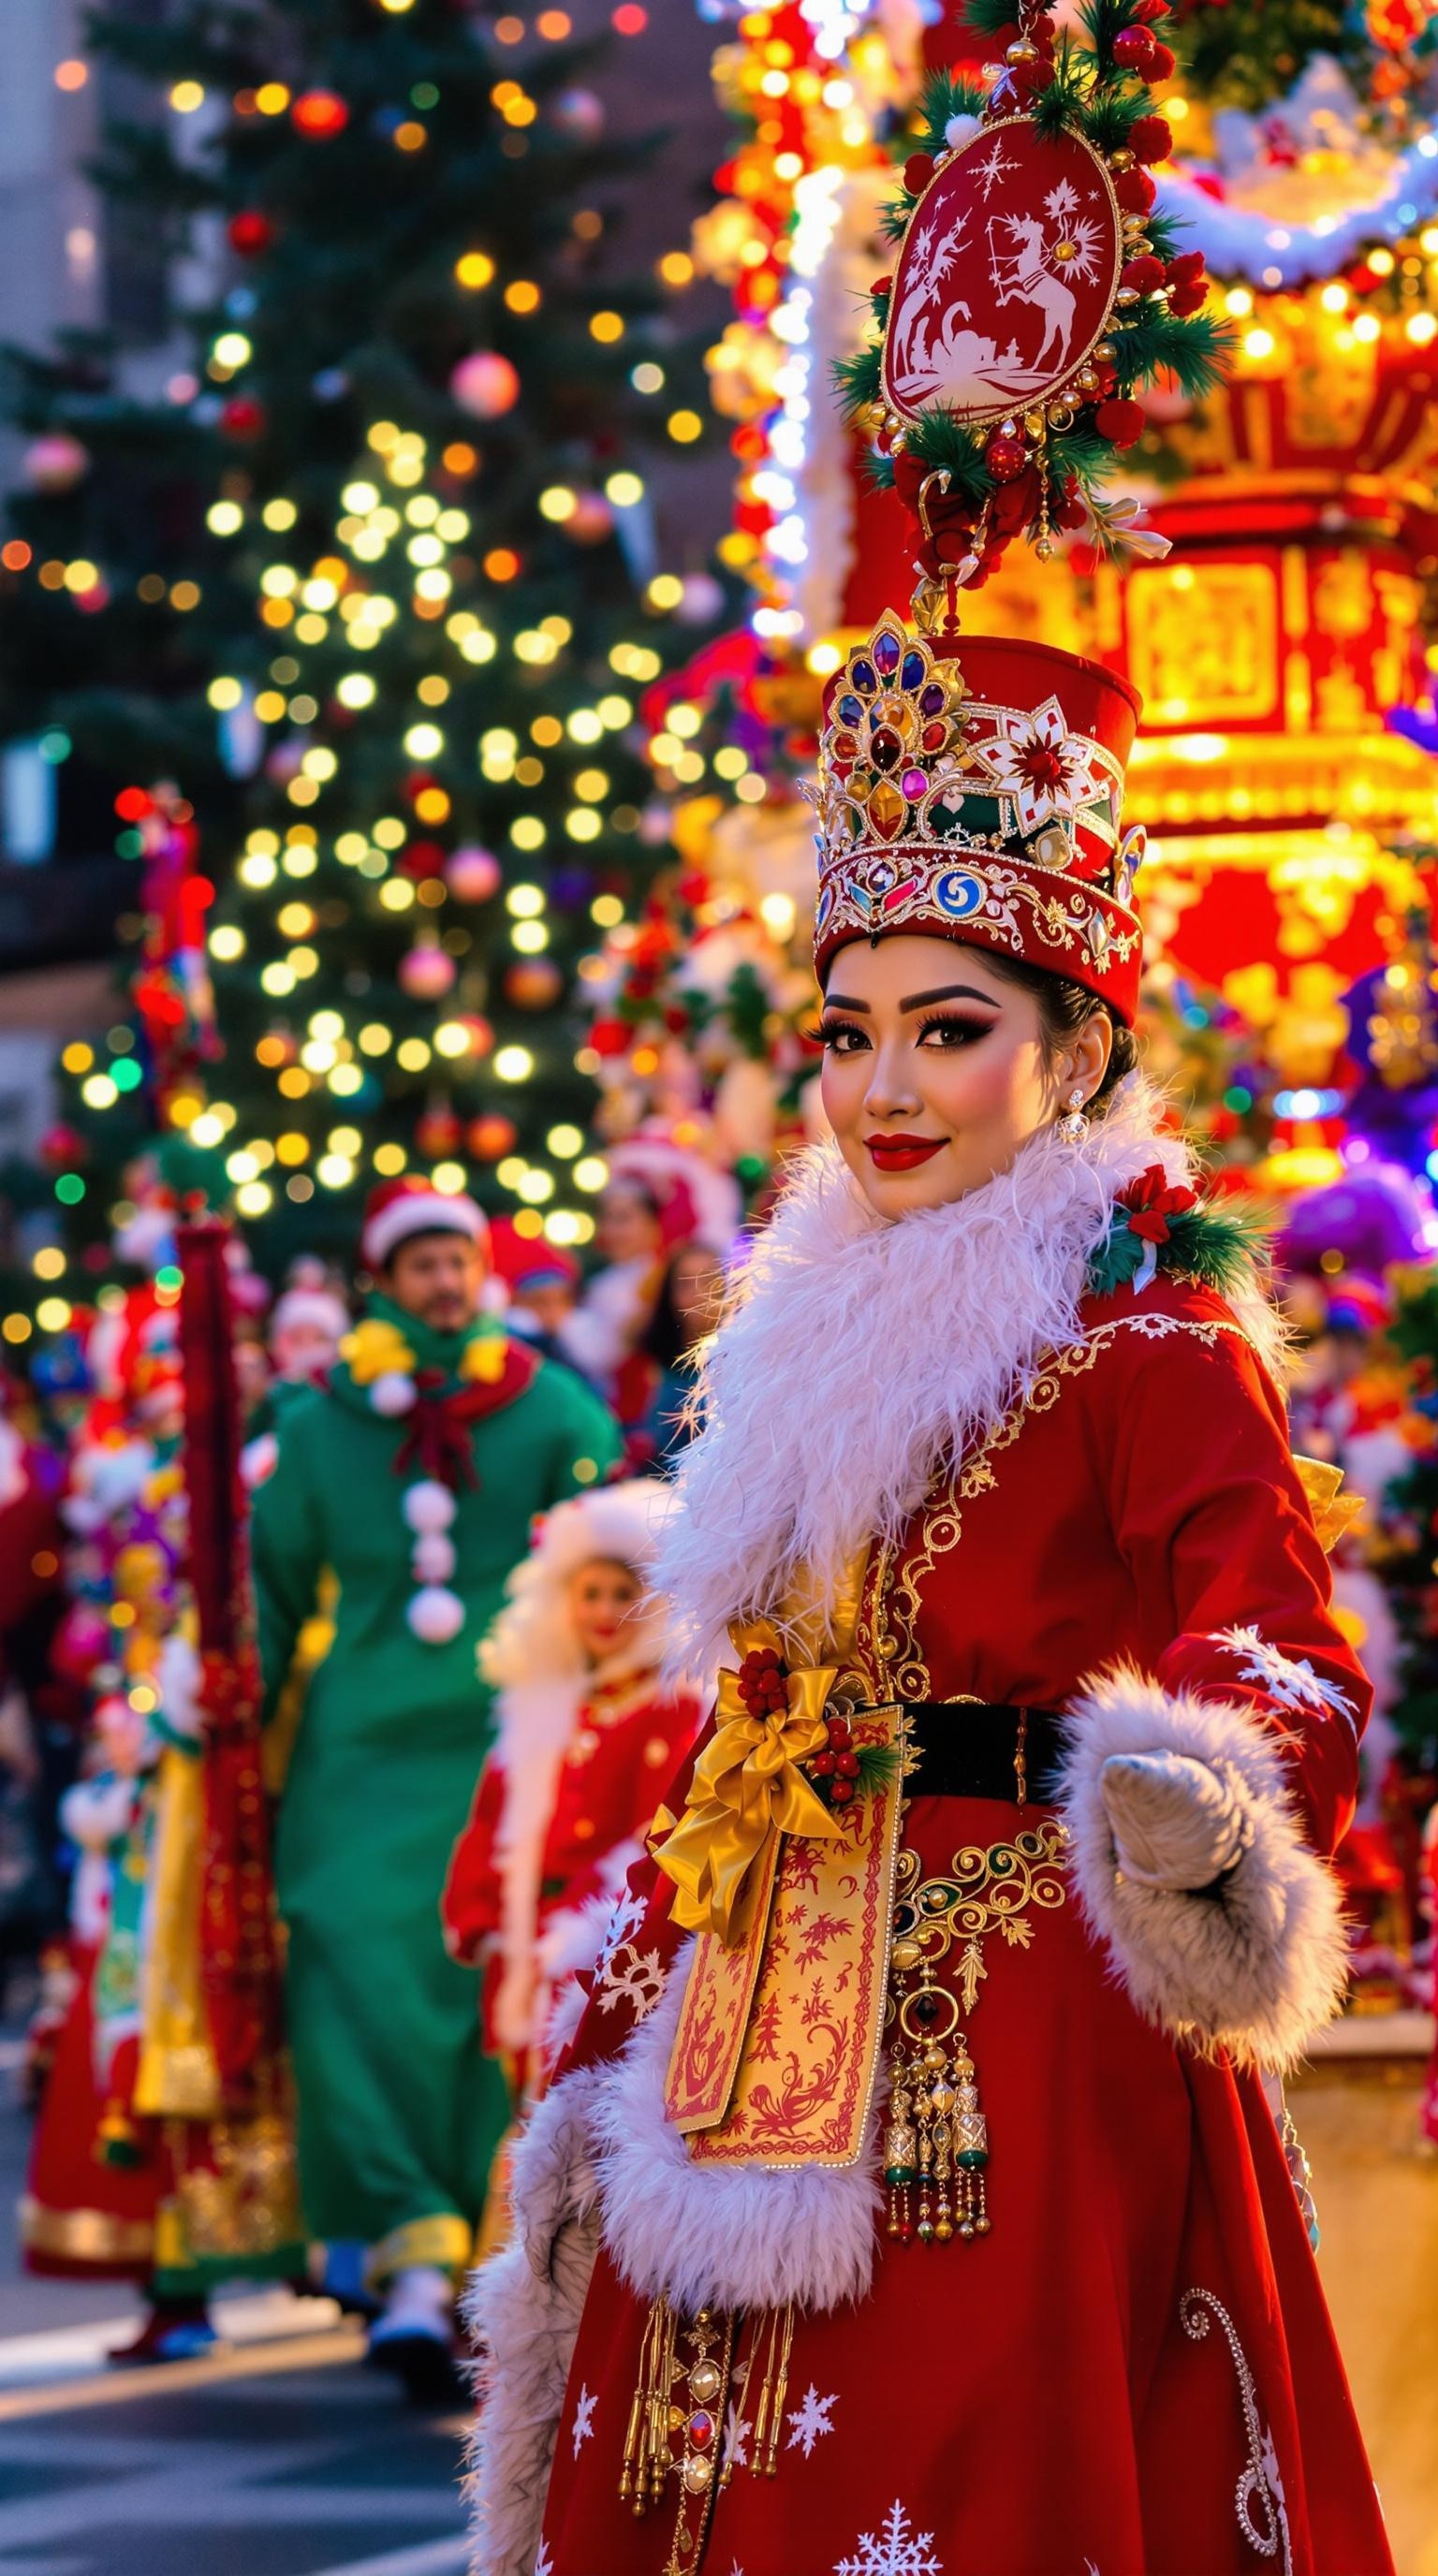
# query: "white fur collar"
860,1353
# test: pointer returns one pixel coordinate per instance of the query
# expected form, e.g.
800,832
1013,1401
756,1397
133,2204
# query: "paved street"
280,2456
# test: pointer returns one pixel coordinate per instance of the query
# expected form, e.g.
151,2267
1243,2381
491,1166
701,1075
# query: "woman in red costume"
908,2203
588,1737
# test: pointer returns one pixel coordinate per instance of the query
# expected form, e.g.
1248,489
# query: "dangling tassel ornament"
936,2141
901,2153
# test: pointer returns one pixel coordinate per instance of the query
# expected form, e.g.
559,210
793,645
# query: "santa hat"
412,1205
321,1309
526,1261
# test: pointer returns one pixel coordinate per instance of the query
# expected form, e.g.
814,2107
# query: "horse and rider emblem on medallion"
1007,277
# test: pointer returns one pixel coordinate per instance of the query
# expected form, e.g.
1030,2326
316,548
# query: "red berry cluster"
763,1677
836,1769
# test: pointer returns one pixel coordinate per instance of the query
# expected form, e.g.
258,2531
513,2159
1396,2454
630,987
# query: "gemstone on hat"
850,710
863,676
886,651
959,894
913,670
885,747
914,784
933,700
887,810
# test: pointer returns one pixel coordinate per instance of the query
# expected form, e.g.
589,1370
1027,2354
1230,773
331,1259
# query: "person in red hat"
409,1482
909,2197
542,1281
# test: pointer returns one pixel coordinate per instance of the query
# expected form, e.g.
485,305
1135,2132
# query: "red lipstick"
903,1153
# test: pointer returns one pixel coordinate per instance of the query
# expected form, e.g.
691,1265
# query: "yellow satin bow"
747,1786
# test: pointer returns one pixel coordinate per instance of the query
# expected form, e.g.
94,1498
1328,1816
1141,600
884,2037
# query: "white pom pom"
433,1558
392,1392
435,1615
259,1459
428,1505
958,130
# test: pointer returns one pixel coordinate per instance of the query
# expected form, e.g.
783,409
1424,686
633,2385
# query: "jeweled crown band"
972,787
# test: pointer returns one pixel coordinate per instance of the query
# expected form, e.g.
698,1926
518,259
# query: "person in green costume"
410,1480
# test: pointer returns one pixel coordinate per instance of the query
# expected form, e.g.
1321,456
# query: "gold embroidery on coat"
891,1614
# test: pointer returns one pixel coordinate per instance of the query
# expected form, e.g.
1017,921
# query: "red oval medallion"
1007,276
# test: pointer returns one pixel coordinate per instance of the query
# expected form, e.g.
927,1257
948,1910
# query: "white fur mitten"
1177,1823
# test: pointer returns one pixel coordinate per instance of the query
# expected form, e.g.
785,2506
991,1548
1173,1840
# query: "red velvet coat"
1133,2374
627,1739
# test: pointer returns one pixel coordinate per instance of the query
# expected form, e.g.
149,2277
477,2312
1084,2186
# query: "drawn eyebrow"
841,1002
946,993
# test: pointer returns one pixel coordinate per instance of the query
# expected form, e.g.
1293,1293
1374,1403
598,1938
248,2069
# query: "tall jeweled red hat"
971,787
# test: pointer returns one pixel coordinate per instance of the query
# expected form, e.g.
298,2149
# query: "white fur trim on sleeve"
1254,1968
731,2236
522,2309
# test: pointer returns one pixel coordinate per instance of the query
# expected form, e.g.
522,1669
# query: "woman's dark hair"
637,1189
1064,1009
665,1337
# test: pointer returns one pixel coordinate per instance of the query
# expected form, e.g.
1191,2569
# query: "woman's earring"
1073,1126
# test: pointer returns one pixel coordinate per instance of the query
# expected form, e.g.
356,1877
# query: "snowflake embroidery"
630,1979
544,2564
808,2421
737,2429
584,2406
1291,1680
898,2550
625,1916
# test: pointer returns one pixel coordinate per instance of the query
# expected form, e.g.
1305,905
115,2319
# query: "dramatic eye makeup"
841,1033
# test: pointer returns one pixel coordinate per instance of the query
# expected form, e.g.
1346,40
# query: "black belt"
982,1748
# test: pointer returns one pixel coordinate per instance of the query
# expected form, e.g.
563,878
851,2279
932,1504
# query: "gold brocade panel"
1203,642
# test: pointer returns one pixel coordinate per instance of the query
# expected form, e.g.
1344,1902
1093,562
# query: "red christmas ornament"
918,171
250,233
243,417
1146,13
1133,49
533,983
1164,63
423,859
318,114
1188,299
1005,456
61,1145
438,1132
1143,276
1151,139
610,1037
492,1137
1120,421
881,286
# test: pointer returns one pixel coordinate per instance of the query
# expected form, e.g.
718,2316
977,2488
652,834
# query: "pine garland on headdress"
973,480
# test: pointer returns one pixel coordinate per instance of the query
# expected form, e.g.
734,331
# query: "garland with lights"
973,483
375,578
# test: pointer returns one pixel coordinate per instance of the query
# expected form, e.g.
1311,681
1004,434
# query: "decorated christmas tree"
346,628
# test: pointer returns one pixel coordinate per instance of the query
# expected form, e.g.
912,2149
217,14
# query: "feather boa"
860,1353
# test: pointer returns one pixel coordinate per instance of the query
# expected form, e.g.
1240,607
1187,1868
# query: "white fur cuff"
522,2310
734,2236
1254,1968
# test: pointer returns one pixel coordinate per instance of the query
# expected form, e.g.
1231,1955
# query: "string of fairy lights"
397,561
